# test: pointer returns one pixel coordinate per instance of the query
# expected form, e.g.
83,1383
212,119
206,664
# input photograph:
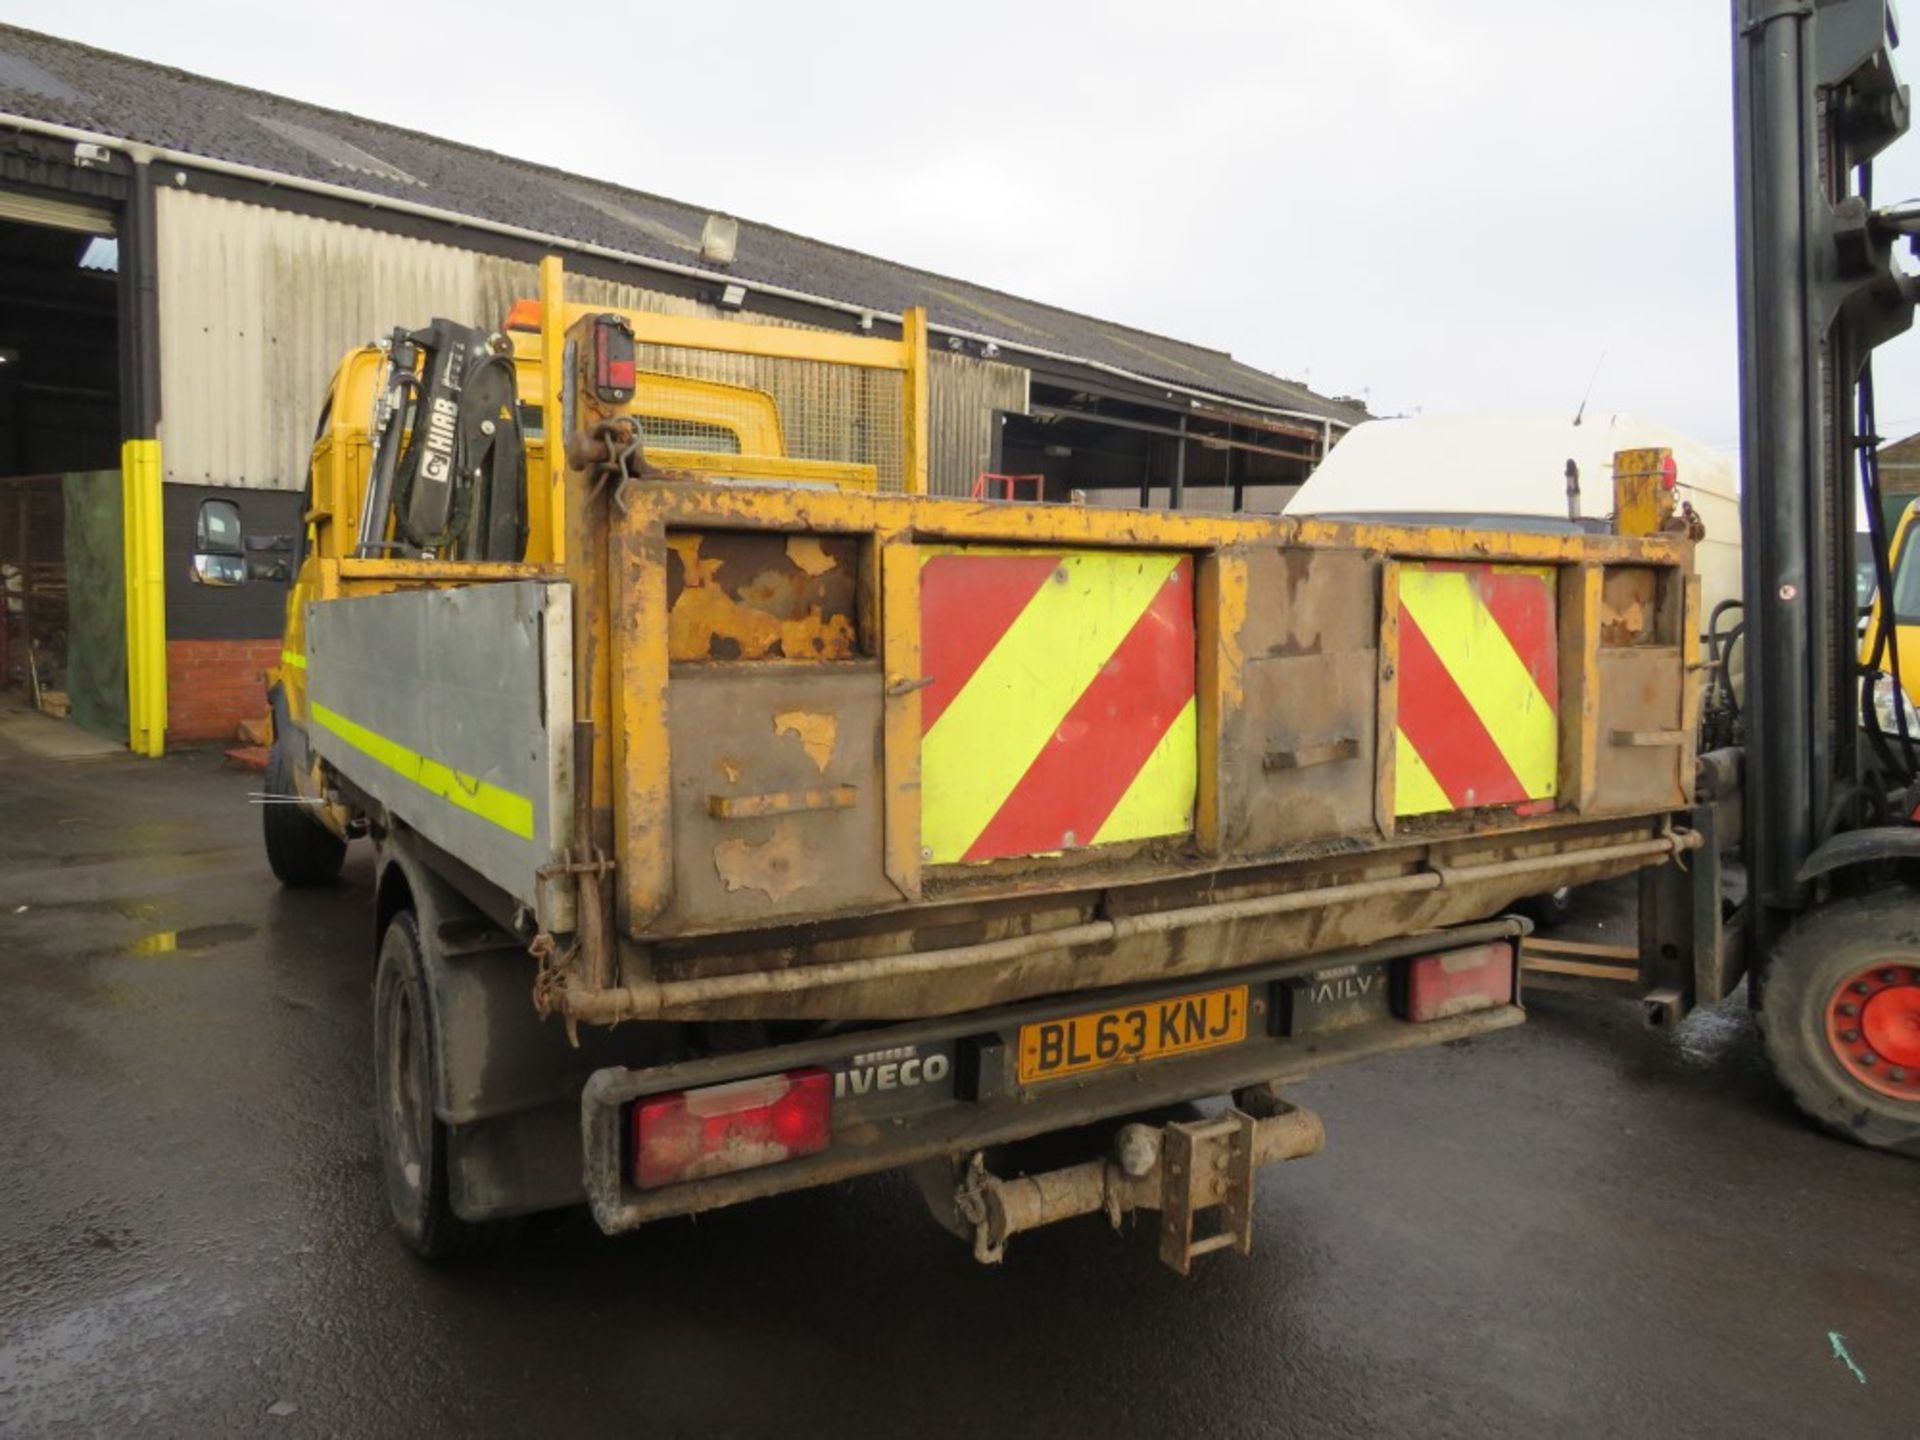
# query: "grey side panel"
452,708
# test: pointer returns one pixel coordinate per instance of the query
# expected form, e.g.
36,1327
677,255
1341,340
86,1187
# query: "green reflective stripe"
511,812
293,658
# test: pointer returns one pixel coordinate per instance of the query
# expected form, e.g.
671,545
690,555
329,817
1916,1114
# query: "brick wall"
212,685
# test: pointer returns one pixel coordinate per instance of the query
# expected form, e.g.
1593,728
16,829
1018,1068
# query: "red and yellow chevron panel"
1059,711
1478,718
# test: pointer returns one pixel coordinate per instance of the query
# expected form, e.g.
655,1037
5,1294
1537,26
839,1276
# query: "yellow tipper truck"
746,818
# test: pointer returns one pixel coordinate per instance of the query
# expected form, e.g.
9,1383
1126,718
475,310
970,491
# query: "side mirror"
218,556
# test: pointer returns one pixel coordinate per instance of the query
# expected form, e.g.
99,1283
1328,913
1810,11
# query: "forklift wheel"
413,1140
1841,1011
300,850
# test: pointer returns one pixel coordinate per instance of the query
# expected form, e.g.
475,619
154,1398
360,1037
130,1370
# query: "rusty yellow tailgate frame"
895,526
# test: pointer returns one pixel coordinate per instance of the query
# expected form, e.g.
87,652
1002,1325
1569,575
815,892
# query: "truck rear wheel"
413,1140
1842,1018
300,850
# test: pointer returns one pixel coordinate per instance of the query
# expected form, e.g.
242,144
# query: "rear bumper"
889,967
965,1094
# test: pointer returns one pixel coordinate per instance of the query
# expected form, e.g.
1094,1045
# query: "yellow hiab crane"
746,818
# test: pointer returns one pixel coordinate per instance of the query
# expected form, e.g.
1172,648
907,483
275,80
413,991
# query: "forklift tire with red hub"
1842,1017
413,1139
300,850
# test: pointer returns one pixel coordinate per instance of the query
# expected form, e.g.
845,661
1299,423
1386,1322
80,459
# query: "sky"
1485,205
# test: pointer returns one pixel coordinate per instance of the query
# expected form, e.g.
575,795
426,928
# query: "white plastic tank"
1509,471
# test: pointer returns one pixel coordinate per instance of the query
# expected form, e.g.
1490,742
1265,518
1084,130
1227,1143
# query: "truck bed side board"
452,708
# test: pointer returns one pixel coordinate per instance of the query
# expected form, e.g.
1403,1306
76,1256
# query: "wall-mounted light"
9,357
734,296
989,350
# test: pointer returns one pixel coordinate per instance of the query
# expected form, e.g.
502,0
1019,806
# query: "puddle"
194,937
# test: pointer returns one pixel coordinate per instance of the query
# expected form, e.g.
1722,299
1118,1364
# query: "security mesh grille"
672,433
818,410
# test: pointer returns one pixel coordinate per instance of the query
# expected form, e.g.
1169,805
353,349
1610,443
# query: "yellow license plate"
1129,1034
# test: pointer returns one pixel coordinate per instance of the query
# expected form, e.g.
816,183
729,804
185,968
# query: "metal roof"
55,81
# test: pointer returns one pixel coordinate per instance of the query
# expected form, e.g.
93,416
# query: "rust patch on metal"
1292,649
777,867
816,731
1298,565
1303,603
745,596
1629,605
809,555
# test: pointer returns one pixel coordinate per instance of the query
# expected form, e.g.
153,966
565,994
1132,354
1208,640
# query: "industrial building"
185,260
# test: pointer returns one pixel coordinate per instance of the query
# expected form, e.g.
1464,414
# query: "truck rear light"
1432,987
613,359
693,1134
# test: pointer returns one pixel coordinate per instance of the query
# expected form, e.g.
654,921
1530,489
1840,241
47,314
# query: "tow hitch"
1178,1169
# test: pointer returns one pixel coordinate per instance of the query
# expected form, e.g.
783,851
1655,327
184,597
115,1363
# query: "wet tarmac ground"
1579,1227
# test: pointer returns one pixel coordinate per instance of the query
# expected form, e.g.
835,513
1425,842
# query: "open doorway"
1115,450
62,623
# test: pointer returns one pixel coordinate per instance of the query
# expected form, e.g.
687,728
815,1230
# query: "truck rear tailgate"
988,721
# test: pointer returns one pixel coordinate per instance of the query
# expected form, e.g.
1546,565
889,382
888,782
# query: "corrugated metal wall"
966,396
258,305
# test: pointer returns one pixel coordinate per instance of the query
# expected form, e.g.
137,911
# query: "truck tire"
413,1139
300,850
1841,1015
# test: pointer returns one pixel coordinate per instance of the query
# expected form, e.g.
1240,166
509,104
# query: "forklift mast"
1816,99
